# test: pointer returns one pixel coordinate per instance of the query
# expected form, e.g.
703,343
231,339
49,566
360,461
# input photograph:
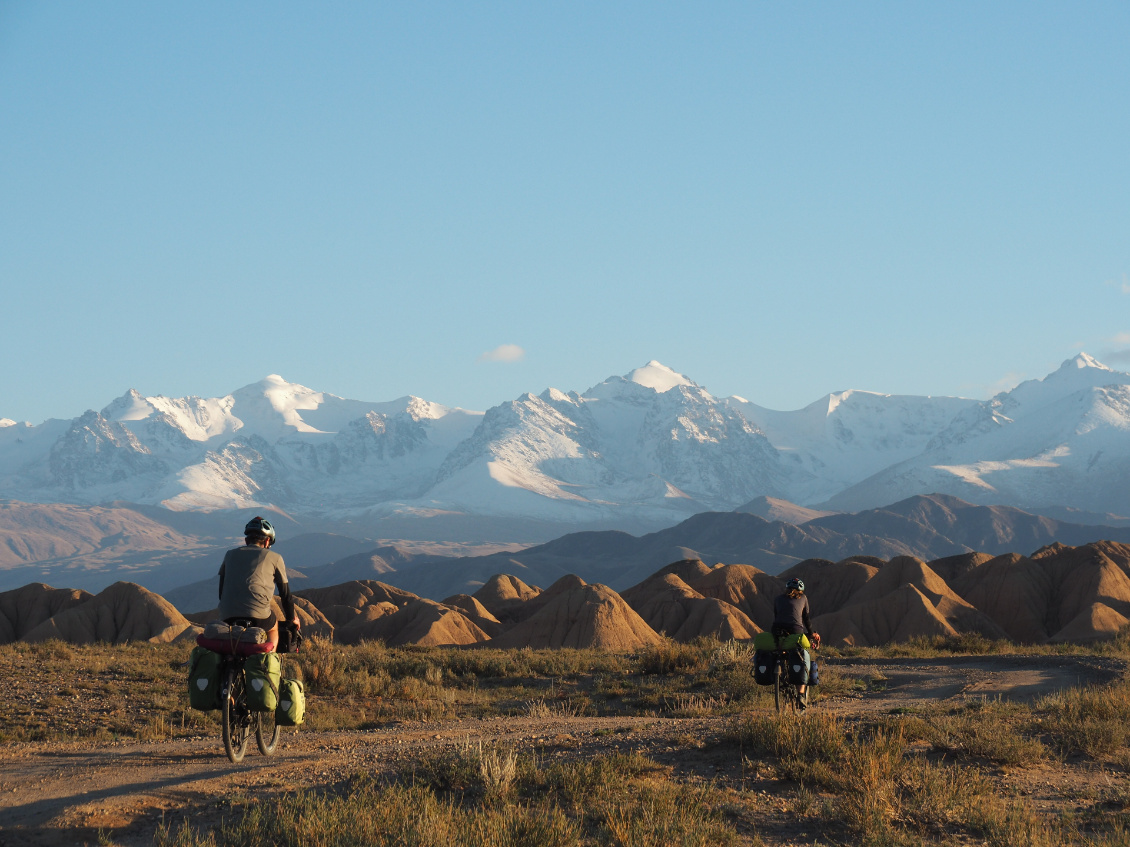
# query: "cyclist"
790,617
248,577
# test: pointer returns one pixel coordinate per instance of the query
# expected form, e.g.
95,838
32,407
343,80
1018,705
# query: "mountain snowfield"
639,451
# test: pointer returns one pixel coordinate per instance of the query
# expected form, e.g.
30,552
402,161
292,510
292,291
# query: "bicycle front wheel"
235,717
267,732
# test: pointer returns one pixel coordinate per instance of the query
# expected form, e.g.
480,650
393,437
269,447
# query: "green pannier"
768,641
264,673
764,641
292,703
204,667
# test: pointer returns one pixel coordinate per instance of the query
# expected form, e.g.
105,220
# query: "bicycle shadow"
37,813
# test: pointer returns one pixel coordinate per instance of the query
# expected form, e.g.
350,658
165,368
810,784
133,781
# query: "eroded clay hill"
22,610
1057,594
123,612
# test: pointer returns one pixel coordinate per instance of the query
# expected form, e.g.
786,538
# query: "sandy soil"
68,794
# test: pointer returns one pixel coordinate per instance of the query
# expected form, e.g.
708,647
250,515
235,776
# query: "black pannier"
290,636
798,666
764,667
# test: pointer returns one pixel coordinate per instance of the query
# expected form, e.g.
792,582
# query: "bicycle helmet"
257,527
795,584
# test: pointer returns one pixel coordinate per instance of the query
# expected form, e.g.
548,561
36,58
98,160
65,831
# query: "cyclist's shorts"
267,623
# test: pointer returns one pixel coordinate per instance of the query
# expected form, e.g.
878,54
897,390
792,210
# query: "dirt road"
66,794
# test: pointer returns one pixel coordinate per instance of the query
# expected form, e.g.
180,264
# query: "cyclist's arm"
813,636
286,600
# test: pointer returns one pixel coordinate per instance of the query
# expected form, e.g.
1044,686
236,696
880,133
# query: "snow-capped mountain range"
643,450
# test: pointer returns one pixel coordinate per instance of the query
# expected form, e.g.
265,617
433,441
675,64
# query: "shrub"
731,653
497,769
1092,721
790,738
868,798
317,662
667,657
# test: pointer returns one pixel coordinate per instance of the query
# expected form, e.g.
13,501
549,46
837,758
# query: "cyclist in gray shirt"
248,577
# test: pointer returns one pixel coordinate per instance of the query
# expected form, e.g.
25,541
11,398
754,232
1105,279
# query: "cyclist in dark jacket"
248,577
791,617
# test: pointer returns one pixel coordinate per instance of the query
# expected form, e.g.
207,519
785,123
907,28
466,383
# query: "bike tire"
267,732
785,694
236,725
779,684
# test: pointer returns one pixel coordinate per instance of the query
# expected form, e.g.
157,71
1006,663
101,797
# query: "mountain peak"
657,376
131,406
273,385
1083,360
273,401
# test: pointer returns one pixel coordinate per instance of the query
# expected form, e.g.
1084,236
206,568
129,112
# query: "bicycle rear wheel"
785,694
235,717
780,684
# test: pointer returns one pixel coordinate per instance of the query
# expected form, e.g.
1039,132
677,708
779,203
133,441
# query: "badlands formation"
1057,594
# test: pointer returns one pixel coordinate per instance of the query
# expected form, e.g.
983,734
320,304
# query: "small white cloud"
504,353
1123,284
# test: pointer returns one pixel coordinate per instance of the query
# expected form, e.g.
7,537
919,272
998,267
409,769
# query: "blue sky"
778,200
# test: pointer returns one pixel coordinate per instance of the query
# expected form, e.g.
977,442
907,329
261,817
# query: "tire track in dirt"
908,683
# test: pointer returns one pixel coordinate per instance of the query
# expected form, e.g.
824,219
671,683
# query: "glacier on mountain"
646,449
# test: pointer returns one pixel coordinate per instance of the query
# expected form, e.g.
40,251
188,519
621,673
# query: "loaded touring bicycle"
784,661
235,670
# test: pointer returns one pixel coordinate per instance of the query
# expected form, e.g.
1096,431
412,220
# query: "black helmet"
795,584
258,526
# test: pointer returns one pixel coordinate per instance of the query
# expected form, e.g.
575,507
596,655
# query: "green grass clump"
886,791
665,814
996,731
1093,721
